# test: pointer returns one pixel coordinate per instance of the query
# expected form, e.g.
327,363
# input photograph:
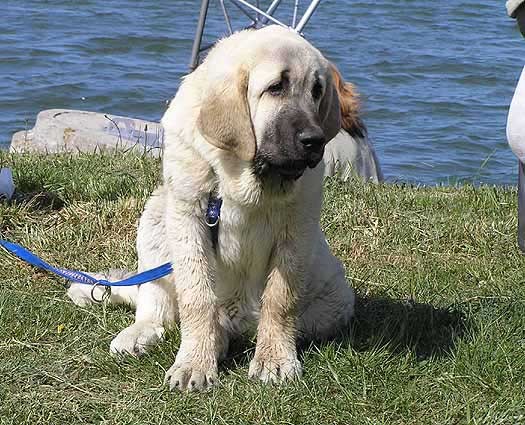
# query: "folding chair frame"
257,16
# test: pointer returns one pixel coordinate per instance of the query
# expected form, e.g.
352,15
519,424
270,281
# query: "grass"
439,335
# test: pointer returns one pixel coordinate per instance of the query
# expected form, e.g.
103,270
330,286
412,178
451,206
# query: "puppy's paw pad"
183,377
136,339
270,370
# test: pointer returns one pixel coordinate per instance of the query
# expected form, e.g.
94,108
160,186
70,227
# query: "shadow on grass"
406,326
38,200
398,325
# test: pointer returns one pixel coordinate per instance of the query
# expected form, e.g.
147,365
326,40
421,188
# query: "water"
436,77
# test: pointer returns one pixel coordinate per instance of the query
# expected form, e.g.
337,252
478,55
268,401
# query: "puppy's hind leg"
84,295
156,310
156,302
328,314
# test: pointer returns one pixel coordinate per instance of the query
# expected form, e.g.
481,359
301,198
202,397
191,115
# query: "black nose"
312,139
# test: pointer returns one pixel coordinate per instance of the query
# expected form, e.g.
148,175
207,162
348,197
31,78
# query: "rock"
63,130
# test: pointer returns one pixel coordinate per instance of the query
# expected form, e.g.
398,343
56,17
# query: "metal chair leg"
521,207
198,35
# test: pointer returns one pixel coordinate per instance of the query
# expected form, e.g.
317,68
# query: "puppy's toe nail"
290,371
167,377
254,370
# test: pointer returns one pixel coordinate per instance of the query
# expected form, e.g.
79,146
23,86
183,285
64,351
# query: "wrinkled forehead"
273,55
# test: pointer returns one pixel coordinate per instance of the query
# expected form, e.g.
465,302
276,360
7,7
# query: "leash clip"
213,212
213,215
105,295
210,223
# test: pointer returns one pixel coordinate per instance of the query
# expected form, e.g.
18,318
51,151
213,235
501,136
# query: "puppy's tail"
84,295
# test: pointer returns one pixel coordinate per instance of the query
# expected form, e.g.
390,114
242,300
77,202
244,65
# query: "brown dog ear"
224,119
349,101
330,111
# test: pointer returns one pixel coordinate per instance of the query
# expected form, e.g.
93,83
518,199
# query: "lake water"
436,77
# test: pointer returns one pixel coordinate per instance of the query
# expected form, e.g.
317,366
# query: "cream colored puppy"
250,124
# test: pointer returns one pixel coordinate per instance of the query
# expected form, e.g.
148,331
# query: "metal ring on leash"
212,224
105,295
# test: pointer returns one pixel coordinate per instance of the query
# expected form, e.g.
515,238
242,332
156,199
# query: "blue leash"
212,220
81,277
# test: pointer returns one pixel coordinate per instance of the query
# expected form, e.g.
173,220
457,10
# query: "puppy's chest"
245,245
246,239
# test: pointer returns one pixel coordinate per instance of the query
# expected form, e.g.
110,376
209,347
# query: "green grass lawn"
439,335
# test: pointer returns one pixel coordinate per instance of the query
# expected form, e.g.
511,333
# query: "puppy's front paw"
137,339
185,376
271,368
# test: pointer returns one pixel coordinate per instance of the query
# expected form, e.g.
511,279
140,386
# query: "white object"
7,186
516,120
346,155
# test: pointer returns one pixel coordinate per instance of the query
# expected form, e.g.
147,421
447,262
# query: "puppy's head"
270,100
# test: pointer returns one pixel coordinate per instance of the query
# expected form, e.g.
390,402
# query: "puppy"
250,126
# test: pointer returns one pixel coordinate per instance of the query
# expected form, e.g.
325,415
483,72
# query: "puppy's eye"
276,89
317,90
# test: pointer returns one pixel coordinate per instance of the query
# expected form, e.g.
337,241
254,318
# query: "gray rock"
62,130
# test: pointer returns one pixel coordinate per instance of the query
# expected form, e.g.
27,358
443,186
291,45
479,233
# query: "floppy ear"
224,118
330,111
349,102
